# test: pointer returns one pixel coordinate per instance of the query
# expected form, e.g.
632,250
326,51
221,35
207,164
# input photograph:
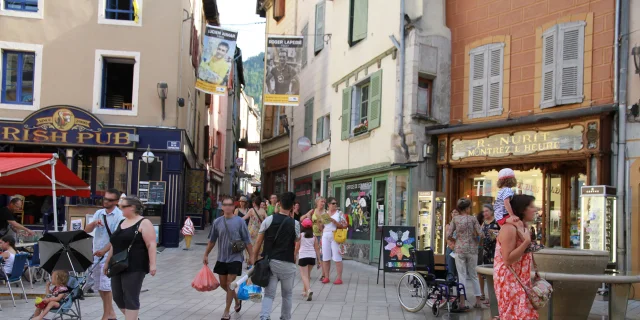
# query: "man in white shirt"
105,222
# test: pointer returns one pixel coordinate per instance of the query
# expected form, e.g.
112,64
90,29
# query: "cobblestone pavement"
169,296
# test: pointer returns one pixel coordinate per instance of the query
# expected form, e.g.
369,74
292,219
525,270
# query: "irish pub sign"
65,126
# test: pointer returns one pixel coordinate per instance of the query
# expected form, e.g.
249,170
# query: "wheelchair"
428,285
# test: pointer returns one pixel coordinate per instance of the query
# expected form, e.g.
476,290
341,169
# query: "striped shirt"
499,210
237,231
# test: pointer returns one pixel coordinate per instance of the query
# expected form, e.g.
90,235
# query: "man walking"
272,207
8,220
281,251
226,230
105,222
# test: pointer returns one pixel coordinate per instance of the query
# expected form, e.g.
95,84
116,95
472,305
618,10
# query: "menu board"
157,190
398,244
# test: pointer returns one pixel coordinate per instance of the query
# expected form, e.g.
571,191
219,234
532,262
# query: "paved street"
170,296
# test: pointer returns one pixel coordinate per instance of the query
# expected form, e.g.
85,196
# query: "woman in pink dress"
513,303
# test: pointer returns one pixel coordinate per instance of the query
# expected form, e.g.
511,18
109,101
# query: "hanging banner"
219,46
284,61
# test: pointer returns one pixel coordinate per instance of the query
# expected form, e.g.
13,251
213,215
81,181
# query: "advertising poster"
284,61
397,244
358,209
219,46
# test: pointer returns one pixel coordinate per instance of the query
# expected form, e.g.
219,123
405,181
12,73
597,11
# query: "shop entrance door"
378,216
562,209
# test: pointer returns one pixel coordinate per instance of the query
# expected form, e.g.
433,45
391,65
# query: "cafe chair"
19,263
34,266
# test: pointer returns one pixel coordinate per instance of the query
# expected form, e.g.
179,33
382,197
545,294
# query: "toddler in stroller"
56,291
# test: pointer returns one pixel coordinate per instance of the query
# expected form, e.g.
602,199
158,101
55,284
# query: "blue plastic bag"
254,292
243,292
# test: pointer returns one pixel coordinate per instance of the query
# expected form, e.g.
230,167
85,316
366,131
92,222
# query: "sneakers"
325,280
337,281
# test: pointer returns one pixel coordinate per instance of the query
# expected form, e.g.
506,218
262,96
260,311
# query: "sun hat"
306,223
506,173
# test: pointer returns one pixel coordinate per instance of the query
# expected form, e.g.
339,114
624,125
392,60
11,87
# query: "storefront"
108,156
275,174
552,162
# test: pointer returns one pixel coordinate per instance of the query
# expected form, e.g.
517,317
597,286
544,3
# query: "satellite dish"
304,144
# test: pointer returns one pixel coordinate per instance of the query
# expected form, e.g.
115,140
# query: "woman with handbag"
255,215
512,265
468,233
131,257
333,221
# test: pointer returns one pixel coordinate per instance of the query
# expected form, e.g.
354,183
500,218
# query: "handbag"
261,270
120,261
237,246
340,235
540,291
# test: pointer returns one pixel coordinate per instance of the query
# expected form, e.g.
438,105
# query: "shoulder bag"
340,235
540,291
261,270
120,261
237,246
106,225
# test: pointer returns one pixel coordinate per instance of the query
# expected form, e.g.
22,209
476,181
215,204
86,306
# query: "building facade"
87,82
248,147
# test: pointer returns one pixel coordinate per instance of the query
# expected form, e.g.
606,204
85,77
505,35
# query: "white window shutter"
570,62
549,65
478,82
494,102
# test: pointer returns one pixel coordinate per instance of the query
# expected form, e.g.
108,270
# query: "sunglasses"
110,200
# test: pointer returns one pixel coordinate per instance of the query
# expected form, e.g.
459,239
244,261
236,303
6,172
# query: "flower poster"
398,244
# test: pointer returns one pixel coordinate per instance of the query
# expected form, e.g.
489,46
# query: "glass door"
554,210
378,216
575,184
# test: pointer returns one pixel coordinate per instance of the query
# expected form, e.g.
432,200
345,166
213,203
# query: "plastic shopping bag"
243,293
205,280
255,293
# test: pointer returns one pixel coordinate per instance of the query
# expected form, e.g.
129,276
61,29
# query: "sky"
240,16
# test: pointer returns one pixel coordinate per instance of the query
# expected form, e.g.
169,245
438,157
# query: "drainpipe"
400,108
189,17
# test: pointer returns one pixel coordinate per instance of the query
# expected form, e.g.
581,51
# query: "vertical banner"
284,61
219,46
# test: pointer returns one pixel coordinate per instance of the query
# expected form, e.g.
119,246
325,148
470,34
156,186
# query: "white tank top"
306,248
8,263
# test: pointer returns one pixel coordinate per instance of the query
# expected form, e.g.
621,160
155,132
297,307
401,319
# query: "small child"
59,280
308,252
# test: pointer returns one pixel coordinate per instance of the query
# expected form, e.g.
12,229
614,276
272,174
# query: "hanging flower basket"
360,129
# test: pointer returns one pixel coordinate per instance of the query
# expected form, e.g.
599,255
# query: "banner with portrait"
218,46
284,61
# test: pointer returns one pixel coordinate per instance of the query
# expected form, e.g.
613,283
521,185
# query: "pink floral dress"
513,303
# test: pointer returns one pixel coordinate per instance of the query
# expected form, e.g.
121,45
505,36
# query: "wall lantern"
636,58
163,88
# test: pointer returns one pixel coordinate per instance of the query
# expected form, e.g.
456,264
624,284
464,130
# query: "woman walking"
512,262
308,253
333,221
135,234
254,218
468,232
241,210
314,214
490,229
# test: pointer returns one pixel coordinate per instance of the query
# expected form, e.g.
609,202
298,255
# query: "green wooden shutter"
305,32
319,129
308,119
319,36
375,99
360,19
346,113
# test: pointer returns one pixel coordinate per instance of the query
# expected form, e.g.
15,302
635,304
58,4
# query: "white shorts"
330,248
100,281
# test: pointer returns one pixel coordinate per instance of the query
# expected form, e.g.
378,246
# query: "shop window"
358,196
102,174
401,205
486,80
361,106
562,64
279,7
116,82
323,126
424,96
84,169
18,77
120,174
318,42
22,8
308,119
21,5
358,20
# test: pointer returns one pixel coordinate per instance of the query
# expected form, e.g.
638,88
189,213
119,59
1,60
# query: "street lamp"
148,157
163,88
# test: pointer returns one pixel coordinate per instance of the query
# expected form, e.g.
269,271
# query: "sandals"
226,318
238,307
309,295
477,306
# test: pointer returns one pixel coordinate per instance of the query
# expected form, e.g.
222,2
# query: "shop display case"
598,219
431,221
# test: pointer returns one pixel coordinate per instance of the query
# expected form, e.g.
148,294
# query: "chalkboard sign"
397,244
157,190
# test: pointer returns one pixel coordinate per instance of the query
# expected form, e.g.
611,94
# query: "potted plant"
361,128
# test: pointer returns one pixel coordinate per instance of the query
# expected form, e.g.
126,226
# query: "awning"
35,174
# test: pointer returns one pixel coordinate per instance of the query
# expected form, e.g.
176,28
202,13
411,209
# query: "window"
116,82
486,80
358,19
120,12
424,96
120,174
562,64
217,163
361,106
305,31
190,115
102,175
278,9
17,77
308,119
318,43
84,169
323,127
22,8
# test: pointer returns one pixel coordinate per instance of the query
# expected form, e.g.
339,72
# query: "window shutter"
305,34
375,100
547,96
495,79
360,15
206,139
570,62
346,113
319,36
308,119
267,129
478,83
319,129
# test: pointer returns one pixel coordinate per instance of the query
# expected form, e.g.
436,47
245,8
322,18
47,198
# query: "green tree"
254,78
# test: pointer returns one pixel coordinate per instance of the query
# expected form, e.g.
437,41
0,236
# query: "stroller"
70,305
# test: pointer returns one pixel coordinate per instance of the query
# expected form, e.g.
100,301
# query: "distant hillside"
254,78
